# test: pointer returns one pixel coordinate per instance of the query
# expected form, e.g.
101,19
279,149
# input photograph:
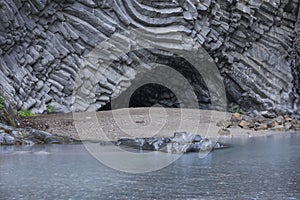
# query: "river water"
252,168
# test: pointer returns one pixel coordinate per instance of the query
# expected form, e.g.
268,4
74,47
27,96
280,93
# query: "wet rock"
182,137
219,146
205,145
175,148
159,143
197,138
54,140
181,142
150,144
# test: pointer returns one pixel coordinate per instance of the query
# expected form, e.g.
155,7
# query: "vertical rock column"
296,64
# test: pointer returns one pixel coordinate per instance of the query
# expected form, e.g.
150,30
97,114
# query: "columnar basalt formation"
43,45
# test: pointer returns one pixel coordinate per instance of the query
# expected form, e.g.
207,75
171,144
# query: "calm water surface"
254,168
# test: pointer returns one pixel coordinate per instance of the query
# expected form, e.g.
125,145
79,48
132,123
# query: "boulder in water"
181,142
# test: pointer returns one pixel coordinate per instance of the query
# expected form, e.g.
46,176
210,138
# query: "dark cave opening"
153,94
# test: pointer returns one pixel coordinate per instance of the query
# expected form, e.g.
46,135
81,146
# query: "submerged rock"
150,144
181,142
183,137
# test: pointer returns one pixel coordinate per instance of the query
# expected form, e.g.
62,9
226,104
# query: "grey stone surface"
181,142
6,139
29,136
255,45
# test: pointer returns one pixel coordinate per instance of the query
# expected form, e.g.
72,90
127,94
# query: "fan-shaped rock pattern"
43,45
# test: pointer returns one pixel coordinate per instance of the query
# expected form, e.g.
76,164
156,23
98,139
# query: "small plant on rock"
298,64
50,108
25,113
1,102
234,108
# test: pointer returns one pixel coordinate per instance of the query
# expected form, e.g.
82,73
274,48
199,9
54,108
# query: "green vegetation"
298,64
25,113
234,108
50,108
1,102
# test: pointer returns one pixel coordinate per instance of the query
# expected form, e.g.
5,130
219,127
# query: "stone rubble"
279,124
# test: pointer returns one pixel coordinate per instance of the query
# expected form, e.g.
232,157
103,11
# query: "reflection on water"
254,168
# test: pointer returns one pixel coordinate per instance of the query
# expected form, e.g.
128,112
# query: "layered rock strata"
44,44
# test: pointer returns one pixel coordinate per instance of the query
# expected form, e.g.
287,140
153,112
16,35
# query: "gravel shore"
140,122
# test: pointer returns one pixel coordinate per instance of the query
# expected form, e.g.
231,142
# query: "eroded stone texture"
43,45
29,136
181,142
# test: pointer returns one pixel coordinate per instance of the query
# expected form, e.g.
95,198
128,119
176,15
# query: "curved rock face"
253,43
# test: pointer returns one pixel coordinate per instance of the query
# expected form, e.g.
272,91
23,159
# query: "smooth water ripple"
254,168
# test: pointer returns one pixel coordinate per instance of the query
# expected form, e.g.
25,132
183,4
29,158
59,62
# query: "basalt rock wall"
254,44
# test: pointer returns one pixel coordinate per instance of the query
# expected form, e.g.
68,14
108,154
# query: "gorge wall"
254,43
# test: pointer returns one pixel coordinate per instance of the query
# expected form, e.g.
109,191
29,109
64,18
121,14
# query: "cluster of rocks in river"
181,142
280,123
